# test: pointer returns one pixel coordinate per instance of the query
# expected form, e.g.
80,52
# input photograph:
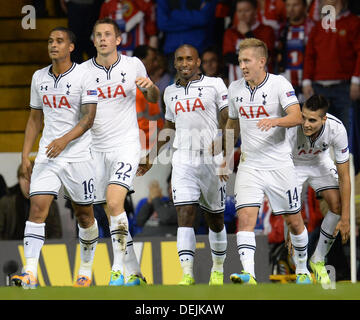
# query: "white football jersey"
60,98
263,150
306,151
194,110
116,119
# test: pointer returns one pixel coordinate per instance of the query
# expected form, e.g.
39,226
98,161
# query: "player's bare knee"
335,206
115,206
245,221
38,212
186,216
84,216
295,223
215,221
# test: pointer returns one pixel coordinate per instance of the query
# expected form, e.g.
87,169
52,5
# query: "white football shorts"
76,177
117,167
280,186
194,181
321,177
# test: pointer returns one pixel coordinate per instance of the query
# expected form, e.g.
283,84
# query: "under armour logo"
123,74
43,88
97,80
26,243
239,99
173,98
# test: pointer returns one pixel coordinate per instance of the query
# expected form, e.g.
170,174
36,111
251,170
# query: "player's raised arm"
149,89
33,128
88,112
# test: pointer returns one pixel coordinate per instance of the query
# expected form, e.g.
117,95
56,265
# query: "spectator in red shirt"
245,26
271,13
332,61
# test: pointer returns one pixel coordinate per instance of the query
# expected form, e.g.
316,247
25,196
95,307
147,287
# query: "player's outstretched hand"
344,227
144,83
56,147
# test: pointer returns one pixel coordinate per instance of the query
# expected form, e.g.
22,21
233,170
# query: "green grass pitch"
268,291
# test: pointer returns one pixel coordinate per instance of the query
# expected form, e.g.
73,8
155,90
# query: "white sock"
186,243
300,243
118,239
246,246
218,244
34,237
132,265
326,238
88,238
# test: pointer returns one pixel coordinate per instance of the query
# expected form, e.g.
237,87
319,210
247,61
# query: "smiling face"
59,45
312,121
105,39
187,63
252,64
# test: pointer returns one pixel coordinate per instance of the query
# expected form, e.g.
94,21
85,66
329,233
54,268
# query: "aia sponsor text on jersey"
109,92
253,112
55,101
189,106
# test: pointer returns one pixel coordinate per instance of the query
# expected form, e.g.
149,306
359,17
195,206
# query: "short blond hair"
255,43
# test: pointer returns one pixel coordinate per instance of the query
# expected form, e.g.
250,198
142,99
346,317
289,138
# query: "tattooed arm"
88,112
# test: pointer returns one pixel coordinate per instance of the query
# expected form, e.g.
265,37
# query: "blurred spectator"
293,38
222,21
332,62
185,21
156,215
14,212
272,13
149,115
245,26
82,15
211,64
136,20
162,78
